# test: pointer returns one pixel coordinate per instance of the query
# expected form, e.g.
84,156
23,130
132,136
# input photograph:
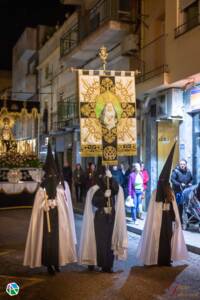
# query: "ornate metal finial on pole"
103,54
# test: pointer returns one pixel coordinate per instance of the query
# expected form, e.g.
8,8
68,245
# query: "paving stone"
130,281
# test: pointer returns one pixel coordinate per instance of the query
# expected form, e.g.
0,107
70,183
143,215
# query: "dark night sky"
18,14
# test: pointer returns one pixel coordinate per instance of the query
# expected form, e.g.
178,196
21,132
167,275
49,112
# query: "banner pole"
108,187
47,212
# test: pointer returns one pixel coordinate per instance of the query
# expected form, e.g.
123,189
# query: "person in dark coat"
90,176
67,174
181,178
125,175
78,177
117,174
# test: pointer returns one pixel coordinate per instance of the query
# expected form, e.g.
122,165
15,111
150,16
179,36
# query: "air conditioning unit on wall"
169,104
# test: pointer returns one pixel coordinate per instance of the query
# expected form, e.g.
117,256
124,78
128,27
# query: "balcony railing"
101,12
69,40
190,24
152,61
157,71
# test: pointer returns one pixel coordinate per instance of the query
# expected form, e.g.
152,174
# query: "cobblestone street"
130,281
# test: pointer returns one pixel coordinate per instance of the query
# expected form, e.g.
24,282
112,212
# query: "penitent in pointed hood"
50,180
165,175
59,170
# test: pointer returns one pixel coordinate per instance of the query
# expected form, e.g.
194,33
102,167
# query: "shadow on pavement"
69,285
149,282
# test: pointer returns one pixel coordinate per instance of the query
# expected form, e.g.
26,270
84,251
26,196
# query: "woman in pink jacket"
135,190
144,174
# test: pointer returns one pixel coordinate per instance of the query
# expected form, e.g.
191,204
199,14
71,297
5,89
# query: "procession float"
20,168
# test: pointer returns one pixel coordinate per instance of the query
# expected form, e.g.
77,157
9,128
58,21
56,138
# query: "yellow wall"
168,132
152,47
154,10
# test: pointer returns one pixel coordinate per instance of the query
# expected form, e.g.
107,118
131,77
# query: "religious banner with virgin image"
107,114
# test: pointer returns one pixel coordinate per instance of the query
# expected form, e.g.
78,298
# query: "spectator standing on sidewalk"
145,179
90,176
117,175
67,173
181,178
135,191
125,174
78,177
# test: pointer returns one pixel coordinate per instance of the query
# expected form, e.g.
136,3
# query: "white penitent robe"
70,210
148,247
88,251
67,237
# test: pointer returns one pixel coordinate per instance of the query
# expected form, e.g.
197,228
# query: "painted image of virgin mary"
6,135
108,109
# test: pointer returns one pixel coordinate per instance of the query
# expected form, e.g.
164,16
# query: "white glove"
175,225
108,174
107,193
52,203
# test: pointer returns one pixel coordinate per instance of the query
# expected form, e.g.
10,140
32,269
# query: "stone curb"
190,248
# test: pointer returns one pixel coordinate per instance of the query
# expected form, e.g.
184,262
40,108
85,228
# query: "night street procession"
100,150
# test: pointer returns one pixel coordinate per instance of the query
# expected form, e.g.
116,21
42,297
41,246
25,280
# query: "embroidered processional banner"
107,114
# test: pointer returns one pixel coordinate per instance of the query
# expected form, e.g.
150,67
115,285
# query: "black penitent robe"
103,225
50,240
164,251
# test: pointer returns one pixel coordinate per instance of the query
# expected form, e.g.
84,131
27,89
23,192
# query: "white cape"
87,250
70,210
148,247
67,249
